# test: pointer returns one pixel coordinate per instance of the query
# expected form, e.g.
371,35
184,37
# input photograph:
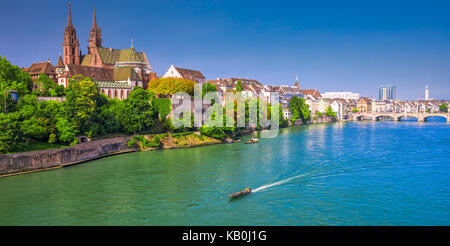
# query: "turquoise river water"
355,173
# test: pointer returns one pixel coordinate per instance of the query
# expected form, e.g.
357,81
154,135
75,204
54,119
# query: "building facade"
176,72
387,92
116,71
341,95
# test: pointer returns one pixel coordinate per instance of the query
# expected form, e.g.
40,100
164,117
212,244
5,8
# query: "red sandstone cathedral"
116,71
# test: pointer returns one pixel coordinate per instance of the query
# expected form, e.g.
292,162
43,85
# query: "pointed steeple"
95,35
71,44
94,22
69,19
60,61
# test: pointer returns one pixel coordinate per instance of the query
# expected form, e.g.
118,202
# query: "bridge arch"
405,116
378,117
425,118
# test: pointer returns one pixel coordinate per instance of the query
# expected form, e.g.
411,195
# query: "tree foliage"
44,86
239,86
163,107
330,113
170,86
137,112
443,107
299,109
208,87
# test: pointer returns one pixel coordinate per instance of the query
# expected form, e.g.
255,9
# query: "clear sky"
331,45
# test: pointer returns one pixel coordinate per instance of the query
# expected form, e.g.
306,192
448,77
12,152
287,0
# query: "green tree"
137,113
299,109
208,87
81,98
44,86
11,136
330,113
163,107
239,86
66,131
13,78
170,86
443,107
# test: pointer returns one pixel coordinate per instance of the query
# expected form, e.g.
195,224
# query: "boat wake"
301,175
277,183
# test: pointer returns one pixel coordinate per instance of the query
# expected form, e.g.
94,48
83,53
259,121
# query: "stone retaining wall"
44,159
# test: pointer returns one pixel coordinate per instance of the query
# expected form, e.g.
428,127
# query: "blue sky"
331,45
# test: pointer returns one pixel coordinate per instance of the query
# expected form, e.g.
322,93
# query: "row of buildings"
118,71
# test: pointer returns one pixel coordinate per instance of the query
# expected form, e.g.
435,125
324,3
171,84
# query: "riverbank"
42,160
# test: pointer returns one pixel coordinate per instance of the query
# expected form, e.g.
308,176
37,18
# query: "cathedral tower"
71,45
95,36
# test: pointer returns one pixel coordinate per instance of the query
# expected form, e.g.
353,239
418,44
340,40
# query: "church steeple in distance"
95,36
297,84
71,44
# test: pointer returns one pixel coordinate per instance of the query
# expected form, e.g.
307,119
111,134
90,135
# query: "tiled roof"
313,92
42,67
247,84
102,74
113,84
131,55
96,73
123,73
112,56
189,74
86,60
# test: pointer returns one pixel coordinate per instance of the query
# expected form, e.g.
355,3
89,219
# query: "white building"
176,72
341,95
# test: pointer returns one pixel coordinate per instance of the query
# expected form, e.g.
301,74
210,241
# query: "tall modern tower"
387,92
427,93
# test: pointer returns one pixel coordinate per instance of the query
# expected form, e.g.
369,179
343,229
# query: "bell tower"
71,45
95,36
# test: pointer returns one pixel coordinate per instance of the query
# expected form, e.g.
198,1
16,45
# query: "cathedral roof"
123,73
113,84
102,74
131,55
113,56
86,60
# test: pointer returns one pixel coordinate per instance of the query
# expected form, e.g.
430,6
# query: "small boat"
241,193
253,140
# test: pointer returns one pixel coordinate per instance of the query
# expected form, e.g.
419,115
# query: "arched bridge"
421,117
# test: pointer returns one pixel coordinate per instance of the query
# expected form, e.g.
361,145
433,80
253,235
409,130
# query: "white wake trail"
277,183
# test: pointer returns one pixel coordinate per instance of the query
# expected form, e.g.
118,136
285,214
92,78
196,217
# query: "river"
354,173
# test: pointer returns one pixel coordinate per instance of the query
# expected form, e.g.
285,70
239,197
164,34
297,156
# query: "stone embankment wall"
53,158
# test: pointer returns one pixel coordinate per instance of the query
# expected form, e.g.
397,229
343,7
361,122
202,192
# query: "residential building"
41,68
364,105
176,72
341,95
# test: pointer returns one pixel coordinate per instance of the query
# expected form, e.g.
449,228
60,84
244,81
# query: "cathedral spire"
69,19
94,22
95,36
71,44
